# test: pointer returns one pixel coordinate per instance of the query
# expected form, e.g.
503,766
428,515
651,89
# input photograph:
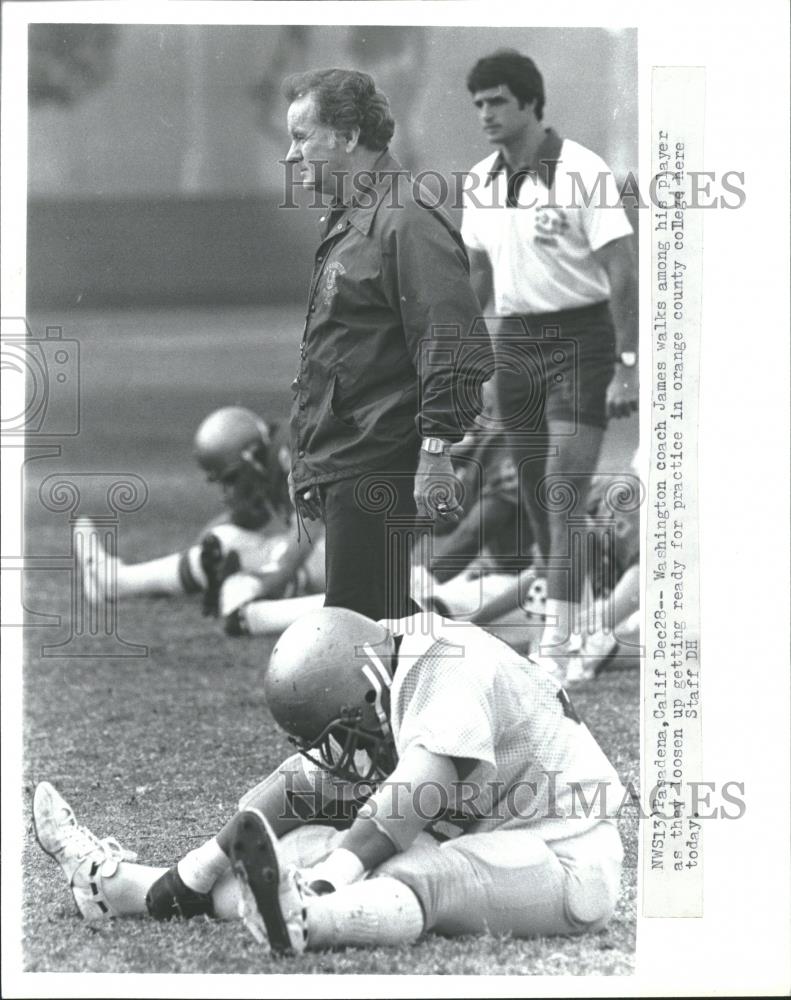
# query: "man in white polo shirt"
547,235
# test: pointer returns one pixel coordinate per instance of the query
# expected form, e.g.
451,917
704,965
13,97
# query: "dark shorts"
555,366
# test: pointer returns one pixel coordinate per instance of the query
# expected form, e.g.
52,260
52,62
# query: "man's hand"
307,503
619,259
622,392
437,488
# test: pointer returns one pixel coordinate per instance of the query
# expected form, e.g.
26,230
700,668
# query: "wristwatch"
435,446
628,359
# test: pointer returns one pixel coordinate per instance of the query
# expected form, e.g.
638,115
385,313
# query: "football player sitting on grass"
254,568
481,803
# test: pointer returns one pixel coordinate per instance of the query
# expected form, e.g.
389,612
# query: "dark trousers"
370,527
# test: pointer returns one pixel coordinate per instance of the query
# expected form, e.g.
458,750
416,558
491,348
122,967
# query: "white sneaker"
96,565
272,899
84,858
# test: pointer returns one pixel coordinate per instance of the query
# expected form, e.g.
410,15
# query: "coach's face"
501,118
317,151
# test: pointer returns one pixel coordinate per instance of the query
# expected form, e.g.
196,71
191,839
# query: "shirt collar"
360,213
544,163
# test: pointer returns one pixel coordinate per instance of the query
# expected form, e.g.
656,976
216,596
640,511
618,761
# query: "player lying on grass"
476,823
251,564
611,626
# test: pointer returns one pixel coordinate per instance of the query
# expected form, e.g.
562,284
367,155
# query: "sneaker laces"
81,842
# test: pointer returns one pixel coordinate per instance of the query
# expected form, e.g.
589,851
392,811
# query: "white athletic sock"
127,887
266,617
378,911
201,868
464,595
558,639
158,576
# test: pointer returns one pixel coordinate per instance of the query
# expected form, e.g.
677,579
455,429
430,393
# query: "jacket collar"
544,163
360,213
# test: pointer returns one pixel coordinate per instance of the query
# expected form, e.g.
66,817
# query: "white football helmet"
328,686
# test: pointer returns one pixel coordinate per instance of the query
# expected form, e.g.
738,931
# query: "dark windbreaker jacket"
394,348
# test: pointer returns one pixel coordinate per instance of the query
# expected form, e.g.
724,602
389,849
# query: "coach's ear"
351,139
284,459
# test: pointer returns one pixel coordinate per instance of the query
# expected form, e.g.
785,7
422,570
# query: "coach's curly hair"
346,99
519,73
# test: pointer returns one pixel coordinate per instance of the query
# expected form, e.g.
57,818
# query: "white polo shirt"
541,250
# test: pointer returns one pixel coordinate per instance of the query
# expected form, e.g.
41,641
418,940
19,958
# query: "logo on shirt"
550,223
330,287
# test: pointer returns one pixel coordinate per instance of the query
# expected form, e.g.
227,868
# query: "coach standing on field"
543,221
374,410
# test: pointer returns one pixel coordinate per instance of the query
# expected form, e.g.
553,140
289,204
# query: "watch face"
434,446
628,359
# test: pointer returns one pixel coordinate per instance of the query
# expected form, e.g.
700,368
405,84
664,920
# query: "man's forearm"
622,269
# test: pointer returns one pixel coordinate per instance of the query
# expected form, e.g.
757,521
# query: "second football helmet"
235,448
328,686
230,438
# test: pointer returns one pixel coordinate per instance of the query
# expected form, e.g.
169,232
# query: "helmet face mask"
245,488
350,752
328,686
232,447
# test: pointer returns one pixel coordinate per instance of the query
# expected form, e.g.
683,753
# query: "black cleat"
235,624
216,568
272,902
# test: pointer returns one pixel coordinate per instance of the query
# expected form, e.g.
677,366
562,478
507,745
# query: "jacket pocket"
336,408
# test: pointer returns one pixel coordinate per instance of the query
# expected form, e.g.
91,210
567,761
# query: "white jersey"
460,692
542,251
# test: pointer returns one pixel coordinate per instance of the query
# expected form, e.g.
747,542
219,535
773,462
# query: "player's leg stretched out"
202,568
105,577
280,903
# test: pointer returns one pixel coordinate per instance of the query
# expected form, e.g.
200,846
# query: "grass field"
156,750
